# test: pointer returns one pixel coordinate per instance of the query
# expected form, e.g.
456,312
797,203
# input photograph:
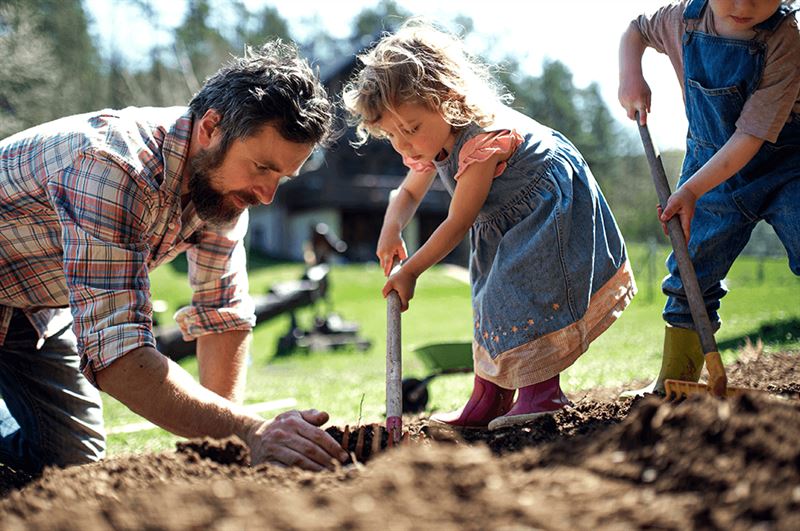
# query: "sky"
582,34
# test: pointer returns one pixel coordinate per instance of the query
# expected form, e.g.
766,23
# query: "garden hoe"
394,385
717,379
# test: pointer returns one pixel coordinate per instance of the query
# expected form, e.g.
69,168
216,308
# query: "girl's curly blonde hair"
420,64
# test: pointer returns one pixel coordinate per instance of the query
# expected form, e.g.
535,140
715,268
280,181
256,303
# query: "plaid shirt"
89,204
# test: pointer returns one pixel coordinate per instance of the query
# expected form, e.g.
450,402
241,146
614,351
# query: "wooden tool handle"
394,368
692,288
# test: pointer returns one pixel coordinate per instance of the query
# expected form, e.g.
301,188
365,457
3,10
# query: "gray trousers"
50,413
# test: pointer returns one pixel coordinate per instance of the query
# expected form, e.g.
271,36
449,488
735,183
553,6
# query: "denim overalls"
719,75
544,241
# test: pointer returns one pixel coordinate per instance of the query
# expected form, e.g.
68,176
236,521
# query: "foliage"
27,71
49,62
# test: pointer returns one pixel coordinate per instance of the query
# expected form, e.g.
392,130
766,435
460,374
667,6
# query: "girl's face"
418,133
736,18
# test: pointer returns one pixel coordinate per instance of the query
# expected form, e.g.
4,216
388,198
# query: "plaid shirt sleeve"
105,212
218,276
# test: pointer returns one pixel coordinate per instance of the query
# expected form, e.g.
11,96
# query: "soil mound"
701,463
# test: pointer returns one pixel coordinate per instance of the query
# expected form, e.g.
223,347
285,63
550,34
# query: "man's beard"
212,206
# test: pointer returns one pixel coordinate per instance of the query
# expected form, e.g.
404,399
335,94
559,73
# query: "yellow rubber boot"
682,360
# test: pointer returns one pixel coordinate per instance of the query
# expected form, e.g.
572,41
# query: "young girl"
739,63
548,265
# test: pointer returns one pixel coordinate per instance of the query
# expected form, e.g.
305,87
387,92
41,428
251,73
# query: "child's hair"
420,64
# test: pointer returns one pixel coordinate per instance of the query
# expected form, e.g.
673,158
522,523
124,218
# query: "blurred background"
60,57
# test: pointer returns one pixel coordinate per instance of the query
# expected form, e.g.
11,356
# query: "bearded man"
89,205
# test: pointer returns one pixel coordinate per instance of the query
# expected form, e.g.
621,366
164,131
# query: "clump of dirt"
740,456
225,452
701,463
585,417
774,373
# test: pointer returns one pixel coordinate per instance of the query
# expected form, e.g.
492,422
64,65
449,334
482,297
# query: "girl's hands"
682,203
390,245
403,282
634,95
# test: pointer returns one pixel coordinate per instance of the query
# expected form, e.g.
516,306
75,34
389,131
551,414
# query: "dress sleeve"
485,145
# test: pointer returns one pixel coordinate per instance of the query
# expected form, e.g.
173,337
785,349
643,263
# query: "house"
348,190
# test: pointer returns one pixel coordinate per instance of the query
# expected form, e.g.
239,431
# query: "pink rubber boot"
488,401
533,401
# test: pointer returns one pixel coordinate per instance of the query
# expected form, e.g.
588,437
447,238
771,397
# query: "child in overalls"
548,266
739,62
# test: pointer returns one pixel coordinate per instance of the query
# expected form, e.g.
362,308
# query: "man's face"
223,184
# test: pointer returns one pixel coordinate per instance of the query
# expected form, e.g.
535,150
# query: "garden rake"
718,380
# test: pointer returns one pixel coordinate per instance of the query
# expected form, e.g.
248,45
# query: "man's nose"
265,194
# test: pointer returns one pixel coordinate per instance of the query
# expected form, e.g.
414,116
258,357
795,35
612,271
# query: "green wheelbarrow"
440,358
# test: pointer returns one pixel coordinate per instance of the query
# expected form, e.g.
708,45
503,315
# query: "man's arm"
222,362
158,389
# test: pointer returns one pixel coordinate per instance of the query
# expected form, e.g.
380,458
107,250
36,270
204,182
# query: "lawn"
350,385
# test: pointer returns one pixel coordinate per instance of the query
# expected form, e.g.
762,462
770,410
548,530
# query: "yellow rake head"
678,389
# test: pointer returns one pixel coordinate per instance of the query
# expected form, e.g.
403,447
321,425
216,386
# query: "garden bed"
603,463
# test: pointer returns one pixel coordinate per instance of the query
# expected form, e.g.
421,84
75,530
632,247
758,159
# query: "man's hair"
269,85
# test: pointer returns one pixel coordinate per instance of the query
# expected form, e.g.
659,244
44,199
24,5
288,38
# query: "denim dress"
548,265
720,74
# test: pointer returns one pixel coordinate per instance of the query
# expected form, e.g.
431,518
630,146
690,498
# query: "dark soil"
698,464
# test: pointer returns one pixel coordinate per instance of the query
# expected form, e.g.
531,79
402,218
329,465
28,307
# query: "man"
89,204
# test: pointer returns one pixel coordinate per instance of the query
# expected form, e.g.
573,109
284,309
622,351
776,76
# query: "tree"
384,16
28,71
256,28
200,47
51,67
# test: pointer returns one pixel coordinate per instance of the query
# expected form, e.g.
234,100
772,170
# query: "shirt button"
171,225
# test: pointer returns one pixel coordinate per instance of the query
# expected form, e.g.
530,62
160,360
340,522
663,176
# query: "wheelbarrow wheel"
415,395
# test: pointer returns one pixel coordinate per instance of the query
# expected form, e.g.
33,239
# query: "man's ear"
207,128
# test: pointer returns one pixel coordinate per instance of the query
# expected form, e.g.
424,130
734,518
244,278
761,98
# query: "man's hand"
403,282
161,391
293,438
682,203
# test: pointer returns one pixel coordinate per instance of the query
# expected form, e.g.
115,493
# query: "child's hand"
403,283
390,245
634,95
682,203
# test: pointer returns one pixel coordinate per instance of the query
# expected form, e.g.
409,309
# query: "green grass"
350,385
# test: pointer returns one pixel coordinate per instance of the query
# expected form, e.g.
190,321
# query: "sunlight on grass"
350,385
